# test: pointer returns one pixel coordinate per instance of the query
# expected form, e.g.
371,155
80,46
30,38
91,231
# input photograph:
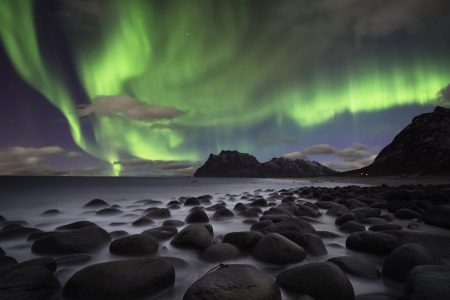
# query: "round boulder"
372,242
322,281
123,279
400,261
427,282
135,244
220,252
196,236
276,249
234,282
197,216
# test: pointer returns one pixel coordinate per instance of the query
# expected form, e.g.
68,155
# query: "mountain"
236,164
421,148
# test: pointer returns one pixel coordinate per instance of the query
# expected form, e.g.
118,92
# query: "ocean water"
25,199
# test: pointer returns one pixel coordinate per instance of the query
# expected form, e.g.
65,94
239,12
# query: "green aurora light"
191,57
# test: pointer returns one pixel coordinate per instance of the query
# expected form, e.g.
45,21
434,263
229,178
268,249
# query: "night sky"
114,87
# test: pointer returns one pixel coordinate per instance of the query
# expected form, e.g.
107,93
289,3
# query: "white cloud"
353,157
143,167
122,105
32,161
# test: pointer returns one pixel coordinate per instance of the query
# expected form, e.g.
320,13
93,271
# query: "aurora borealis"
205,75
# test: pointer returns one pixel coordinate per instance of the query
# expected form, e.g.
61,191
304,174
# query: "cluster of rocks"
383,224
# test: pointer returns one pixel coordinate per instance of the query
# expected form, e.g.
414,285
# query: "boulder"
321,281
276,249
400,261
223,213
244,240
372,242
197,216
406,214
438,216
197,236
427,282
135,244
84,240
220,252
289,228
173,223
96,203
234,282
162,233
312,243
356,266
30,282
123,279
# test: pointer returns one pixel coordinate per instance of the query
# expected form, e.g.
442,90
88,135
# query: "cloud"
350,165
122,105
32,161
143,167
353,157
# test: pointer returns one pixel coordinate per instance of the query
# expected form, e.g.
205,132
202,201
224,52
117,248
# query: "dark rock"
118,234
352,226
44,262
195,236
51,212
124,279
438,244
337,211
6,261
276,249
400,261
197,216
109,212
406,214
157,213
84,240
135,244
373,221
438,216
427,282
234,282
259,202
312,243
96,203
192,202
2,252
259,226
376,296
73,260
223,213
244,240
372,242
162,233
173,223
76,225
322,281
144,221
356,266
289,228
220,252
31,282
345,218
383,227
413,226
16,232
366,212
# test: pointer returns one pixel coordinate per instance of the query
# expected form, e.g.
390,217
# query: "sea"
26,198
